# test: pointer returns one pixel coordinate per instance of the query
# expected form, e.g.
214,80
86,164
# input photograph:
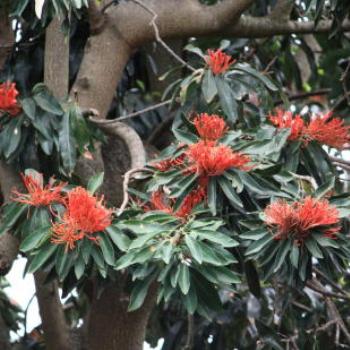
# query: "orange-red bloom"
218,61
210,127
195,197
85,215
298,219
39,195
285,119
331,132
166,164
208,159
8,101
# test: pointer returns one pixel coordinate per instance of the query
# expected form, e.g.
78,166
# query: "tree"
236,233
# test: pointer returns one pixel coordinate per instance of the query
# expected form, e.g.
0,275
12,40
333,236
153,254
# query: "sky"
22,289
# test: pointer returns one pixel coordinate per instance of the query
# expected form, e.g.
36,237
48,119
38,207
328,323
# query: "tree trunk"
111,327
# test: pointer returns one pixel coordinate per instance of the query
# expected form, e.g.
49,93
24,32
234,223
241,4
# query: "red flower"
195,197
165,165
299,218
8,101
85,215
218,61
285,119
207,159
331,132
210,127
38,194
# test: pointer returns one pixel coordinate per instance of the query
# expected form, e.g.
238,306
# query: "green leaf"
138,294
209,89
41,257
121,240
191,300
11,214
251,71
257,245
194,249
324,188
212,195
67,144
79,267
183,185
184,278
107,249
184,136
294,256
95,183
141,227
29,107
32,240
230,192
46,100
217,237
254,235
227,99
142,240
312,247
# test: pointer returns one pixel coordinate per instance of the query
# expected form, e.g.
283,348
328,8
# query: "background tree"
247,280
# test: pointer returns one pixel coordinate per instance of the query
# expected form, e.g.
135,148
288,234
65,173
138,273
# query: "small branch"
190,333
159,39
131,115
321,328
324,292
97,18
127,177
340,162
303,95
328,280
56,330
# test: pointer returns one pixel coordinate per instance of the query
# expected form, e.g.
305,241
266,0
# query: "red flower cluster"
285,119
39,195
195,197
331,132
323,129
299,218
209,159
210,127
84,216
218,61
8,101
165,165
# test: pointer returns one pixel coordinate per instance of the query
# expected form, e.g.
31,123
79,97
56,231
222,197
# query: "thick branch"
51,312
261,27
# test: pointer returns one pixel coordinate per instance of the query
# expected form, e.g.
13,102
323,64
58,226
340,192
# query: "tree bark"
6,36
111,327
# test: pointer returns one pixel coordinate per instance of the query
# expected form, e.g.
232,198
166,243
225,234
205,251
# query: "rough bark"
111,327
56,69
56,331
6,36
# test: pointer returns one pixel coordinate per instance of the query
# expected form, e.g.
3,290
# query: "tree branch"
56,331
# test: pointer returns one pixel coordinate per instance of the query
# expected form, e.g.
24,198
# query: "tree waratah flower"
328,131
39,195
210,127
167,164
218,61
208,159
195,197
84,216
298,219
285,119
8,98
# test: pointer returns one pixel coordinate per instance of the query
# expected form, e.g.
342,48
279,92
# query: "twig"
345,73
303,95
26,314
109,4
321,328
159,39
127,177
267,68
190,333
328,280
339,160
324,292
131,115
